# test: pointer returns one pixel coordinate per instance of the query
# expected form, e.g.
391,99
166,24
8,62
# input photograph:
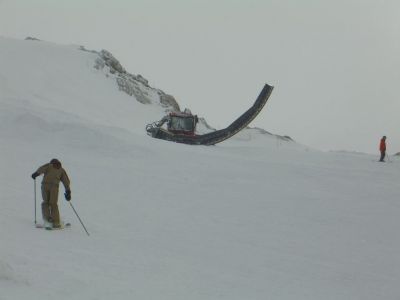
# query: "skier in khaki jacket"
53,174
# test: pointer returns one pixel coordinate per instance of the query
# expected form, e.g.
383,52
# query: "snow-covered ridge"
134,85
43,73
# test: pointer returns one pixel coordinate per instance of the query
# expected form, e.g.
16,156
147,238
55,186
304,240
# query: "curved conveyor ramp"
218,136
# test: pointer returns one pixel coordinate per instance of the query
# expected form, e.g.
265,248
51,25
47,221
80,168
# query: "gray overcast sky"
335,65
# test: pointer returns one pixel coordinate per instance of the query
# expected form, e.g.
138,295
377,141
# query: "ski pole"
34,184
78,218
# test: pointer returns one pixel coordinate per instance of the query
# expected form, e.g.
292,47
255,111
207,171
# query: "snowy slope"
251,218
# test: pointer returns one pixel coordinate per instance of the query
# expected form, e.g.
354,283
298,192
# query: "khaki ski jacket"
53,176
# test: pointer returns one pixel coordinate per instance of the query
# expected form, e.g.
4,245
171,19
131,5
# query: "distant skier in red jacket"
382,148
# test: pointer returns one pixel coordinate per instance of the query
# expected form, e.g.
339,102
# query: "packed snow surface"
251,218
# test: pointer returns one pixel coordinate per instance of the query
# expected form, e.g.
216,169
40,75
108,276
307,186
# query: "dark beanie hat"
55,161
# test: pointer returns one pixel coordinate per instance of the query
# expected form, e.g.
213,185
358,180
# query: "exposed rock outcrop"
134,85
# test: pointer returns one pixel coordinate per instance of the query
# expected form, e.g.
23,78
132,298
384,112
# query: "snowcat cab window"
182,123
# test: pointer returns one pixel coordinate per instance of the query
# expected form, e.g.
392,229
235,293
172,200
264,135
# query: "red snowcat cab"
182,123
178,124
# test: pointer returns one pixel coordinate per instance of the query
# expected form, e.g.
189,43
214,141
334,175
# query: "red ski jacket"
382,146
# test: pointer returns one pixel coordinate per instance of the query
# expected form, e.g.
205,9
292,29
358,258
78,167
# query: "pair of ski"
49,226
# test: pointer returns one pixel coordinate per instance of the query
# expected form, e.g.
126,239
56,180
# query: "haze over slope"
254,217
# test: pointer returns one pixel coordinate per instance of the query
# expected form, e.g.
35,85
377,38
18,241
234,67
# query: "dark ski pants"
383,154
49,204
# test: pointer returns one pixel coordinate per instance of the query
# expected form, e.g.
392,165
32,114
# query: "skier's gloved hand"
34,175
67,195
